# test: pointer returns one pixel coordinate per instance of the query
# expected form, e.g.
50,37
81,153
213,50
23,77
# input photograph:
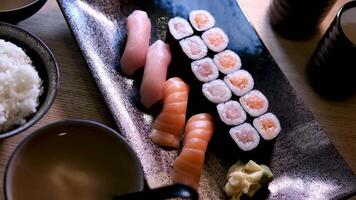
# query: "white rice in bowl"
20,86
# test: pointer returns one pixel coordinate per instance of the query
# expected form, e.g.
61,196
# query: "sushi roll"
216,91
245,136
201,20
205,70
194,47
268,126
216,39
254,103
240,82
179,28
227,61
231,113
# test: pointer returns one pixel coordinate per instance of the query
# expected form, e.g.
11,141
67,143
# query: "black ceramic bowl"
44,62
14,14
104,154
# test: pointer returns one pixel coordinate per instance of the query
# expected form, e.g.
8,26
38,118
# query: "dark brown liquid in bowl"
13,4
350,31
348,24
77,164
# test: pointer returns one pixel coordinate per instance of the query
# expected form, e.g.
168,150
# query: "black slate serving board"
304,162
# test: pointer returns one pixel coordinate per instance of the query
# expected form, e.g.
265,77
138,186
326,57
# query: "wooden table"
78,96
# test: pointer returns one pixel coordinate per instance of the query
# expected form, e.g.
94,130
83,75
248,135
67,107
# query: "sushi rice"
245,136
268,126
231,113
205,69
216,91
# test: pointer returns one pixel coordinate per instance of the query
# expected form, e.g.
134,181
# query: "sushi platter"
214,71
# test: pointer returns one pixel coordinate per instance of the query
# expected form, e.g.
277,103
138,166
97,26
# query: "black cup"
332,67
297,19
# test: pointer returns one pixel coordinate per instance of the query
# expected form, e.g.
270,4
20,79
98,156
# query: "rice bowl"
20,86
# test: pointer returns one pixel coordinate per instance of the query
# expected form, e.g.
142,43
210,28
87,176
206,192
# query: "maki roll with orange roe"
240,82
216,91
254,103
231,113
179,28
205,70
194,47
245,136
268,126
227,61
201,20
216,39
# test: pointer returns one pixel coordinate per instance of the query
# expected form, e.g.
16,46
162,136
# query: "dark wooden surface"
78,96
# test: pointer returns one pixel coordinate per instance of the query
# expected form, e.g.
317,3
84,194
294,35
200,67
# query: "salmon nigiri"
155,73
187,168
168,126
138,39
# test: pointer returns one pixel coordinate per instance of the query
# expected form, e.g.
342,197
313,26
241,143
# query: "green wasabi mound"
246,178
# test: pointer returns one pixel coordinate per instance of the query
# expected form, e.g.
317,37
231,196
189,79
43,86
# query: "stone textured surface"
304,162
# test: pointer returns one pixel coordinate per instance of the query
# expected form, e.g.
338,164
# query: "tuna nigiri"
138,38
188,167
168,126
155,73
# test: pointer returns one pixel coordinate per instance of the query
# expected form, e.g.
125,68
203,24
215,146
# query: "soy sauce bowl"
44,63
14,14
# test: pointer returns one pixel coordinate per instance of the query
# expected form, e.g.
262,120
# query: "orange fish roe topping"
227,61
201,20
254,102
268,125
215,39
239,82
